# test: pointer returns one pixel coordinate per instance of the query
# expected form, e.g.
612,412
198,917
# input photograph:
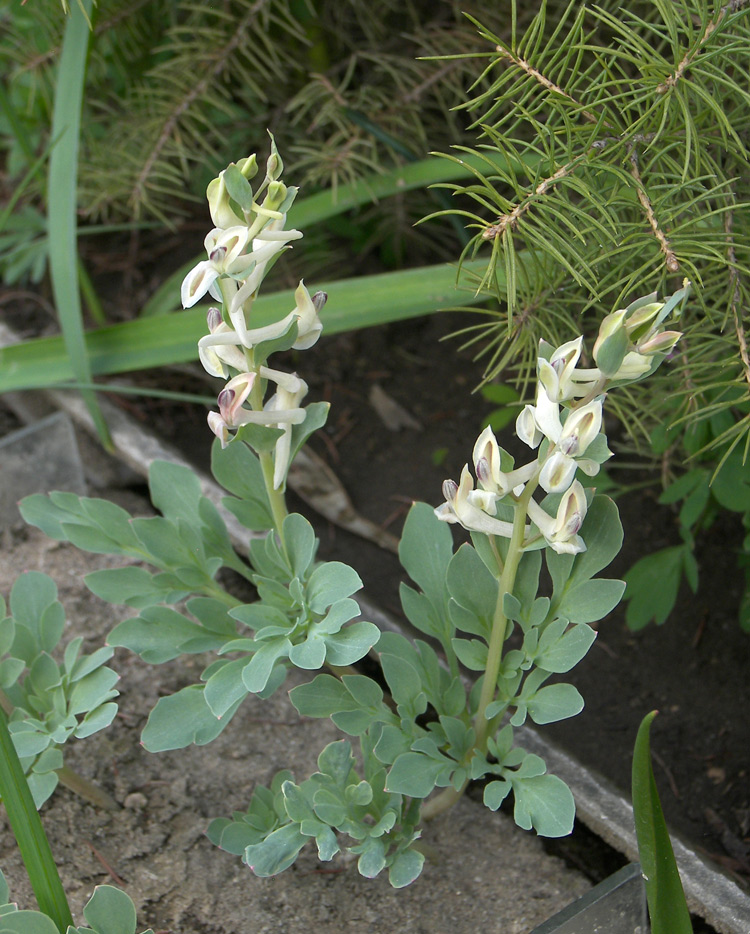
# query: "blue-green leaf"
182,719
545,803
277,852
110,911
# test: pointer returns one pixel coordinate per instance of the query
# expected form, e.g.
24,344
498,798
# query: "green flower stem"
450,796
29,833
275,497
442,802
500,621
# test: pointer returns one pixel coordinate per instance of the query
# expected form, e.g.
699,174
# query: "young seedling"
49,703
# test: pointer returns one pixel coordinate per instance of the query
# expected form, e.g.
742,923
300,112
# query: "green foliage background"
616,148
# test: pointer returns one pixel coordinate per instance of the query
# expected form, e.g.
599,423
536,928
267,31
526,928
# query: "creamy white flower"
469,510
558,473
547,415
487,460
527,428
581,427
232,397
561,532
282,411
290,382
555,374
227,257
201,279
219,427
306,311
220,349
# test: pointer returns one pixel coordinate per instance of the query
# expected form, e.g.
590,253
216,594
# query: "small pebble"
135,801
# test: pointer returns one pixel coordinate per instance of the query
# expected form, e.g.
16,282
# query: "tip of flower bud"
450,488
224,401
319,300
217,255
569,446
213,319
482,468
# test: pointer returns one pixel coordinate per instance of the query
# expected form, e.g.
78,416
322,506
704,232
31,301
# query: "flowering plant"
421,727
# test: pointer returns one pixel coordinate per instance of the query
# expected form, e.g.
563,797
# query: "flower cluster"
248,236
565,425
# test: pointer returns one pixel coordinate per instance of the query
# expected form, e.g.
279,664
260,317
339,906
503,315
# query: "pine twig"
670,258
220,57
690,56
544,81
736,296
510,221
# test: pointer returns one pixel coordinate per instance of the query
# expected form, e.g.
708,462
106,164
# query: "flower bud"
639,322
274,164
248,167
275,196
219,204
633,366
660,343
612,343
213,319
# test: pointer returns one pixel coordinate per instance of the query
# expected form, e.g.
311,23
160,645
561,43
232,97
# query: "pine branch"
692,54
736,295
217,63
510,220
670,258
545,82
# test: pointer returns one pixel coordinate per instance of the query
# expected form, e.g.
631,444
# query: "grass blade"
153,342
62,193
666,899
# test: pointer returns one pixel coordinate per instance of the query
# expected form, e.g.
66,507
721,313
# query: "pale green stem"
500,621
275,497
450,796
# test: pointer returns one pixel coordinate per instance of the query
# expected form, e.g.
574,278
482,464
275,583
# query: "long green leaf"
62,195
324,204
29,833
666,899
154,342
